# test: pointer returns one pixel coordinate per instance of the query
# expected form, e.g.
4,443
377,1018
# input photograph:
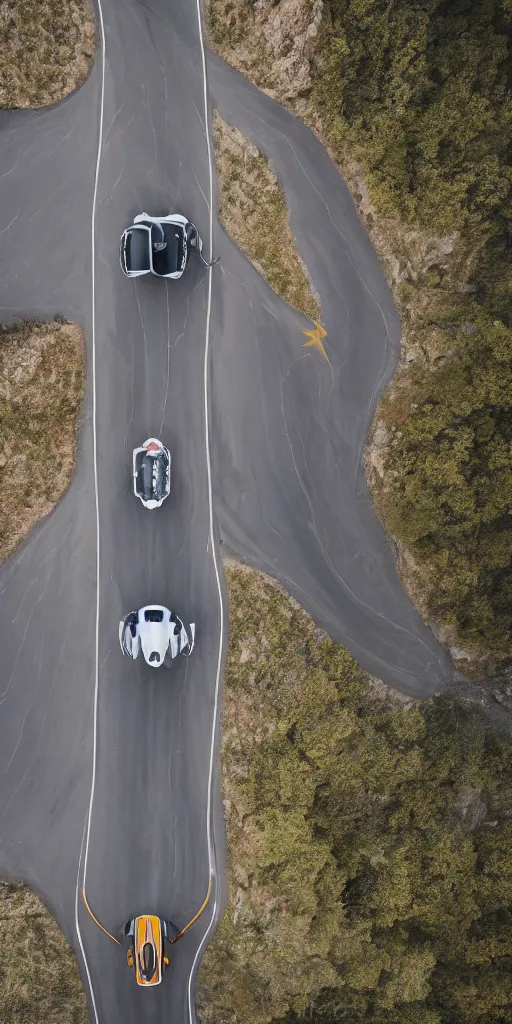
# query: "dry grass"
39,979
253,211
42,372
46,50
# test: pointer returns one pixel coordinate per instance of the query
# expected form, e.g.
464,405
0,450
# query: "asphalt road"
288,428
147,842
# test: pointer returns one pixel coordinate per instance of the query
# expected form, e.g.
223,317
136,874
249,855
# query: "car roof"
169,260
148,929
151,474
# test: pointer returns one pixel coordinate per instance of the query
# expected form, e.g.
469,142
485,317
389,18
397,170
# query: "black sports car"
158,245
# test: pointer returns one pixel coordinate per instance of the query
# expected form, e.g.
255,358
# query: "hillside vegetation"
449,492
369,842
422,95
46,49
250,199
42,375
415,105
39,979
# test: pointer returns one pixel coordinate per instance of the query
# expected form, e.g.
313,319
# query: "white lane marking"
87,827
209,812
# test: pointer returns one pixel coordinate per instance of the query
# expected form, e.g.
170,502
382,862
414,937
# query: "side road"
292,416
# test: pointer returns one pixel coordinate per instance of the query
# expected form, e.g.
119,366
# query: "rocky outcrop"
273,43
289,30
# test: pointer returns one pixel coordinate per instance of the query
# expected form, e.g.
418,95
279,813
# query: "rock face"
471,808
289,29
377,451
273,42
504,697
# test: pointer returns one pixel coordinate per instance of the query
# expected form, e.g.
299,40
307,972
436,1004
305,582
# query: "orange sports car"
150,939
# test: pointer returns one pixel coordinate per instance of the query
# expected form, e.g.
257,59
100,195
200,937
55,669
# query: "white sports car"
158,245
152,473
158,633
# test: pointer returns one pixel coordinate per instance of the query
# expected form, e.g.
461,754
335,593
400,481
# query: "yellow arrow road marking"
315,339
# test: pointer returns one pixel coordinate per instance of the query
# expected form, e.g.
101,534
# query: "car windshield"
169,259
153,615
136,249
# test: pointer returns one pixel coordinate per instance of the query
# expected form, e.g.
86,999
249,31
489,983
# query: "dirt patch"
46,50
42,373
251,199
39,979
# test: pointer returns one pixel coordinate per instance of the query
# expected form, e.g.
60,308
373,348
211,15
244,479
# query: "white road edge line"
209,812
87,828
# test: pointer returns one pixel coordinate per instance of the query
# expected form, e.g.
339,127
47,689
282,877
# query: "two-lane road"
149,816
125,749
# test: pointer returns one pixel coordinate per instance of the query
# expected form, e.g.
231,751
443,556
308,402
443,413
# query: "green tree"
370,844
452,500
422,95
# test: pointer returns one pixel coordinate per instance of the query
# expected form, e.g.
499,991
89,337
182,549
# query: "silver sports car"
158,633
152,473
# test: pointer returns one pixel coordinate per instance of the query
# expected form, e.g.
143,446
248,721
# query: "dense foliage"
422,93
451,500
370,844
